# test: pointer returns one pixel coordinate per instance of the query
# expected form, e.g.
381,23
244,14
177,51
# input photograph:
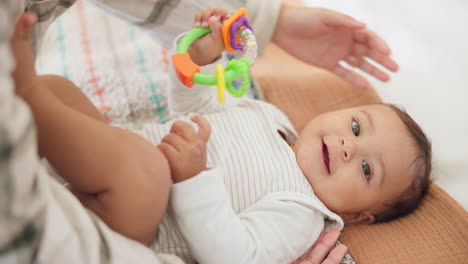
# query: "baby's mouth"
326,158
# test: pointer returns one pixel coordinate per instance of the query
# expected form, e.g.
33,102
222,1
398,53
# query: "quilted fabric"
120,69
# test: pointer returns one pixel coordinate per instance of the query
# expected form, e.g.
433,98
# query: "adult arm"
316,36
163,19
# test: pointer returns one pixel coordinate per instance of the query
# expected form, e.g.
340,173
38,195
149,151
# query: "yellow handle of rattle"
221,83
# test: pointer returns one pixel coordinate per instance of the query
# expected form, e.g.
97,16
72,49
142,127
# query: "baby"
240,193
358,166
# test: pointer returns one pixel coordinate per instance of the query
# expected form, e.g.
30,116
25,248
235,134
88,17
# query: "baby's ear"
358,218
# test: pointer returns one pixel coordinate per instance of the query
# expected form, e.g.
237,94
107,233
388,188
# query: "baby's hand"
185,149
208,48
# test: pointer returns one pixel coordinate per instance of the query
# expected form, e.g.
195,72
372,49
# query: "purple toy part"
241,21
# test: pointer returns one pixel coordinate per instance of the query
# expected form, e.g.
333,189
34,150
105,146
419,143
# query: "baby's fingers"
185,130
215,26
197,21
175,141
221,14
205,128
172,155
204,15
201,18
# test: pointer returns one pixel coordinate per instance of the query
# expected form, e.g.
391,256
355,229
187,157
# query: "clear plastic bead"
250,44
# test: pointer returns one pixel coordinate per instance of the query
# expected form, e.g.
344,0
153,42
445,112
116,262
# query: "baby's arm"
206,53
273,230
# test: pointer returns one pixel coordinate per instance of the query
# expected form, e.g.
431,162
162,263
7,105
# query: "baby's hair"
409,200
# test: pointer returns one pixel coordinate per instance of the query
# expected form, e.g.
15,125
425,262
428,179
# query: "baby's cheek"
349,192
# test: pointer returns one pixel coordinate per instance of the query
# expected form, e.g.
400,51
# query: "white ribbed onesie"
253,205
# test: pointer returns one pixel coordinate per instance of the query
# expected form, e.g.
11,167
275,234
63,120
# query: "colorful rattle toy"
237,35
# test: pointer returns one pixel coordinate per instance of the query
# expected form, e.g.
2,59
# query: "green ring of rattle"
234,69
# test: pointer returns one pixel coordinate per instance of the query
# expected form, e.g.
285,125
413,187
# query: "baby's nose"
348,148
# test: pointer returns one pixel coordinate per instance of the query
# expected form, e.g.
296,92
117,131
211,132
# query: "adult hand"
323,38
317,253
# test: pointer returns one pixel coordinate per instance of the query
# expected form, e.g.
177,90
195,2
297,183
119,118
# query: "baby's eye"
366,170
356,128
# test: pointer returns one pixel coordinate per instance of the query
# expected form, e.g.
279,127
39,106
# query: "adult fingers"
364,65
350,76
374,47
321,236
336,255
361,50
205,128
372,40
335,19
322,247
383,60
303,258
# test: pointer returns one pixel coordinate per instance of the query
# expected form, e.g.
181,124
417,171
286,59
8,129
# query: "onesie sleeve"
273,230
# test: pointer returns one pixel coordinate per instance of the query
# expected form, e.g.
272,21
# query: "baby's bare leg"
70,95
117,174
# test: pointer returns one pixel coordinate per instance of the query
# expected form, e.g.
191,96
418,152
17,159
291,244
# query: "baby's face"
356,159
